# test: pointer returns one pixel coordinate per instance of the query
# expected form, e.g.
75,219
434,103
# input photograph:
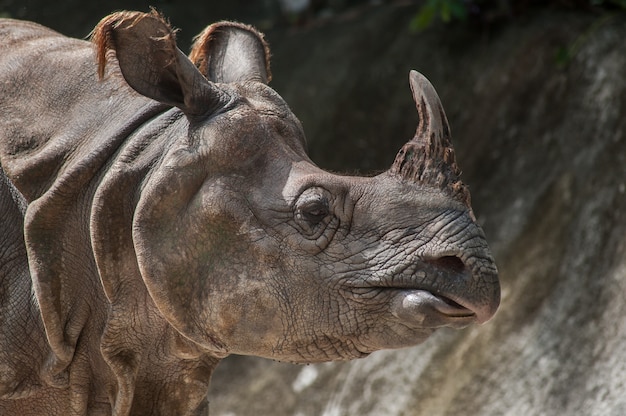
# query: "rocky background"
537,105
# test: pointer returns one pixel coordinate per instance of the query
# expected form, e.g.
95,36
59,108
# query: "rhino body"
159,212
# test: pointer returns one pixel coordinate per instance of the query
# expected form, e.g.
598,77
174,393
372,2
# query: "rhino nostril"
451,263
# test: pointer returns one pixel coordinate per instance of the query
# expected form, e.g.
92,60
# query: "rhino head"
245,246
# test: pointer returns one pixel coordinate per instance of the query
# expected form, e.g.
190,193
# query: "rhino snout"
445,291
471,285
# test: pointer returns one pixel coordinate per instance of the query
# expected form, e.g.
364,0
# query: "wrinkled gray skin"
165,216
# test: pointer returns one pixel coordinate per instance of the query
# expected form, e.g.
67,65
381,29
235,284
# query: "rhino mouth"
434,293
423,308
417,307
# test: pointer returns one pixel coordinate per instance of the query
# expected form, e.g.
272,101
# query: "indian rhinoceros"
159,212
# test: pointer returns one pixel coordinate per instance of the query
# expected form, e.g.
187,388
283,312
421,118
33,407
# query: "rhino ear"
232,52
152,64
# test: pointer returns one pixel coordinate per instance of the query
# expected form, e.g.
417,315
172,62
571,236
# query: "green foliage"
616,3
565,54
446,10
485,10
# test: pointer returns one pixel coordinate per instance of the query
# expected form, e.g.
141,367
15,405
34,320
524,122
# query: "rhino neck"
138,344
72,203
139,377
20,321
58,178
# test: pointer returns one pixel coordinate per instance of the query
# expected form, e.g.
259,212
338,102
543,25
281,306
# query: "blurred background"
535,92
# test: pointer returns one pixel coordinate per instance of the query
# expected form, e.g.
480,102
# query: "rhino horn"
232,52
429,158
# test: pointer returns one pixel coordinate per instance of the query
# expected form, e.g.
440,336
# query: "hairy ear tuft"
103,35
151,63
232,52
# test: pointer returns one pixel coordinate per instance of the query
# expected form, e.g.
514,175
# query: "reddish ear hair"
103,37
232,52
151,63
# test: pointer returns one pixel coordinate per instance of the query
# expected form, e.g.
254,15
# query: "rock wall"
538,112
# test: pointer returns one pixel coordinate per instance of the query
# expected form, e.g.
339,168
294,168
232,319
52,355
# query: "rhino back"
55,112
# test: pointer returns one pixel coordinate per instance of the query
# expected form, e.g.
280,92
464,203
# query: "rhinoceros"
160,212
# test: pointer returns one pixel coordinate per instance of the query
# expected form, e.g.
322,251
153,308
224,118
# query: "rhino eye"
315,212
312,212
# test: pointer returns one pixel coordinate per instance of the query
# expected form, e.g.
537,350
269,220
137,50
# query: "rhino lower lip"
422,307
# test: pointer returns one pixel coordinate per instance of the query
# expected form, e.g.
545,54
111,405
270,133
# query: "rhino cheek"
246,319
222,308
203,279
179,245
